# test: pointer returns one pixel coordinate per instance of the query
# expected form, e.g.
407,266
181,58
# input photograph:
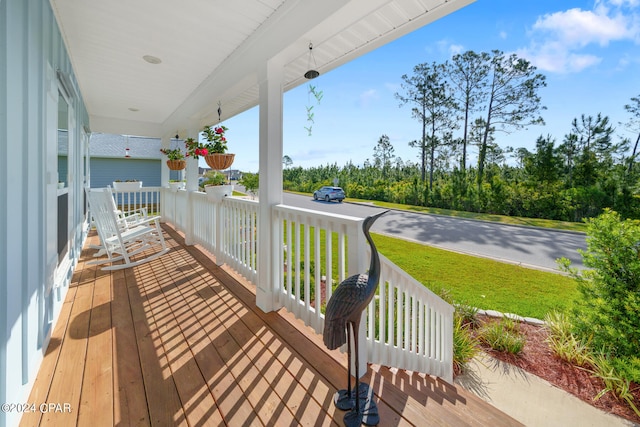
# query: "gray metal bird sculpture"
344,310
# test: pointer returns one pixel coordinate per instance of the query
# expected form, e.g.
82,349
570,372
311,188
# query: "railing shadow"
187,351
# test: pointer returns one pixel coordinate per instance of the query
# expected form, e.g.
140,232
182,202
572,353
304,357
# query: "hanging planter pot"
175,186
216,193
176,165
219,161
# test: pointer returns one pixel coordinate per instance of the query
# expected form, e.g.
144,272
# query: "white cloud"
625,3
368,96
444,47
578,28
393,87
568,41
503,35
455,49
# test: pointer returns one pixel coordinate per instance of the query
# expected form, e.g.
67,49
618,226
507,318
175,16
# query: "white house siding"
33,283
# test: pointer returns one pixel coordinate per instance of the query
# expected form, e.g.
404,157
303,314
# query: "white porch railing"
174,208
314,253
407,325
227,229
145,197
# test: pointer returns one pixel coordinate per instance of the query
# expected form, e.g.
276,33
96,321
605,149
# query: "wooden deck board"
97,387
42,383
130,403
179,341
67,382
162,397
197,401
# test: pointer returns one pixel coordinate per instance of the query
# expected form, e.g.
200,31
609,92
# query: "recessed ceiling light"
134,109
152,59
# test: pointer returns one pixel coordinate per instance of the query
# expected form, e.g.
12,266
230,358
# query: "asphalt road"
528,246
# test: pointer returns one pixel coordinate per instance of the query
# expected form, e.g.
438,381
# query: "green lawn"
481,282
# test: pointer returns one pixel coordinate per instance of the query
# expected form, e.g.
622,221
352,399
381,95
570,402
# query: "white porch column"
270,179
191,175
164,169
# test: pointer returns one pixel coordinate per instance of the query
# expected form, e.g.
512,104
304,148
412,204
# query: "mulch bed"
538,359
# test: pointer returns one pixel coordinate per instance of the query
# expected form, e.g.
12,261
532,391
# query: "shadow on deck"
179,341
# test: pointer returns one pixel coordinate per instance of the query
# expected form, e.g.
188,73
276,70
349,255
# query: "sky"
589,52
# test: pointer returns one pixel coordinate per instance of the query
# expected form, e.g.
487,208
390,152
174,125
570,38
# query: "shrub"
608,310
250,181
465,345
503,335
614,382
616,373
467,314
214,178
564,343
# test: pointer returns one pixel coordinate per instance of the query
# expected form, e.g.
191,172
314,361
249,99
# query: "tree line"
464,103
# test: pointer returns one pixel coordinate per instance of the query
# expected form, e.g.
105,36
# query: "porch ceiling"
212,51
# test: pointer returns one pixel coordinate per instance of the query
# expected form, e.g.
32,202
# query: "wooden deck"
179,341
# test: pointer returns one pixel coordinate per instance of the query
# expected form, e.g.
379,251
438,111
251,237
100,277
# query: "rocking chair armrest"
129,218
148,220
140,212
128,221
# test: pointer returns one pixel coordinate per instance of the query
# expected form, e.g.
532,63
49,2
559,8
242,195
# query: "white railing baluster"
328,276
383,320
317,270
290,250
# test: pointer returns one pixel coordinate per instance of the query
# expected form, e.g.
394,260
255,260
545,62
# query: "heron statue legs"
363,409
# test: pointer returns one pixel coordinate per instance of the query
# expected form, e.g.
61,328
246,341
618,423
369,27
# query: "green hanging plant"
317,95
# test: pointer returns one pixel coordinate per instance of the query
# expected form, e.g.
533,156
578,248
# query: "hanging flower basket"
219,161
176,165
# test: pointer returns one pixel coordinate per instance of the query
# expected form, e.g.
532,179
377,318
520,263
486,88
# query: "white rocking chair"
132,218
120,239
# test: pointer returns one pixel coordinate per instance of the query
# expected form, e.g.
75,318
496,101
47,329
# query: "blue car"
328,194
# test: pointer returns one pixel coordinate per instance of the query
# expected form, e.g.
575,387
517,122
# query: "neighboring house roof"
140,147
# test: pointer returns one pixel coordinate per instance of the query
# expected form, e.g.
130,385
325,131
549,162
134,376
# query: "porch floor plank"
130,404
66,386
97,385
42,383
179,341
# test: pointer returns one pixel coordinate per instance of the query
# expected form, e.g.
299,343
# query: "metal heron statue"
344,310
